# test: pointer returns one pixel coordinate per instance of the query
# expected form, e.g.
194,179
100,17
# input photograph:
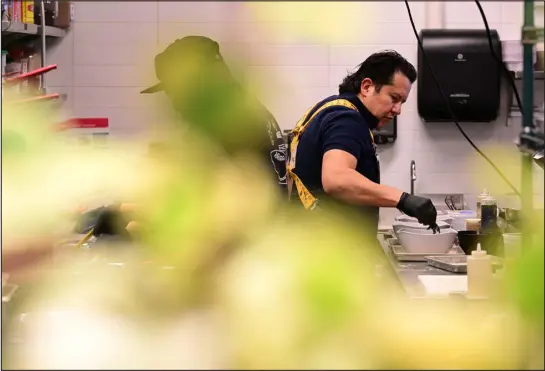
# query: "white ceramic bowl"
425,242
396,226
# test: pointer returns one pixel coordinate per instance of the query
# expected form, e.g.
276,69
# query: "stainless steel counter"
408,272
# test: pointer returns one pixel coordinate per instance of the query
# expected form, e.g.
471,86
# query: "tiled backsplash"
108,57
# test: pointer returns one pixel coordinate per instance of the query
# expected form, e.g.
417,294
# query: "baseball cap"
200,46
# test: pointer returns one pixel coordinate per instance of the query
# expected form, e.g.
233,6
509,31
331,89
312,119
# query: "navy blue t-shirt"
342,128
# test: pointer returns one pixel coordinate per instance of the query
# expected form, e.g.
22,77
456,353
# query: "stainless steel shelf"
30,29
538,75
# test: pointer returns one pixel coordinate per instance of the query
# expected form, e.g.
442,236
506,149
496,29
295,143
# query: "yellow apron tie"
306,197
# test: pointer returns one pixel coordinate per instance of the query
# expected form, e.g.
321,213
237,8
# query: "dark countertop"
408,272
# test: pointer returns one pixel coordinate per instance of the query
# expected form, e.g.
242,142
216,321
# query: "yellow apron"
306,197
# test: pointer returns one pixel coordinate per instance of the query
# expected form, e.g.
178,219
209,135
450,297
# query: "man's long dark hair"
380,68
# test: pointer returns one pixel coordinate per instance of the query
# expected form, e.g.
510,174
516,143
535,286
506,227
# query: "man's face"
385,103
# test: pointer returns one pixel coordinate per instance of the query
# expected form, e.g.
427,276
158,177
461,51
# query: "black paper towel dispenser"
467,73
387,133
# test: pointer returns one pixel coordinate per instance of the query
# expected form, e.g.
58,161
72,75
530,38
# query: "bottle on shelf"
480,199
479,274
489,214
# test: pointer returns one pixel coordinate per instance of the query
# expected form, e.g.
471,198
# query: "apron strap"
307,198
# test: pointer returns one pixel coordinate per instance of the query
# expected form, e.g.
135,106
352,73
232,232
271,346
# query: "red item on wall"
84,123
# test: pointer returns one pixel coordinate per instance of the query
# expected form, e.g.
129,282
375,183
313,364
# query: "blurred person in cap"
198,82
337,162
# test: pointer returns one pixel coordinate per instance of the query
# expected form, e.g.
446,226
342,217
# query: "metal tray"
393,242
401,255
457,264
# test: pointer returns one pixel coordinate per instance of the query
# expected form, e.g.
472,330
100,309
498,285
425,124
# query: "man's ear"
366,86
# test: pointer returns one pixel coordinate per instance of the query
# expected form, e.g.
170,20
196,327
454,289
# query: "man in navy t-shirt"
336,157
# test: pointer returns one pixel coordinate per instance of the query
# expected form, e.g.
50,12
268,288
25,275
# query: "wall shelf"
538,75
30,29
26,33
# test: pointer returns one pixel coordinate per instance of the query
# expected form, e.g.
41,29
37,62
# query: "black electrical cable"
451,112
498,58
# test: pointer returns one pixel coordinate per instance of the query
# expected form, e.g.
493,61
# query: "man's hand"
418,207
110,221
117,220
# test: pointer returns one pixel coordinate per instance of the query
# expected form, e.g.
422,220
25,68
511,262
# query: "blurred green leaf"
526,284
13,143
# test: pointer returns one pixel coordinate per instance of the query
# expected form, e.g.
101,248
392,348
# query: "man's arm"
345,139
342,181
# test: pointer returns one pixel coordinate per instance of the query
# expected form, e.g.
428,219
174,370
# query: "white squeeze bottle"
480,199
479,274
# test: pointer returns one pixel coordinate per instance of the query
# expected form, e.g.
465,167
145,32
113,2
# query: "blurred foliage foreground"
220,275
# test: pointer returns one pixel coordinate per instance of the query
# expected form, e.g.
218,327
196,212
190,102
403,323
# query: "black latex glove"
87,220
420,208
110,221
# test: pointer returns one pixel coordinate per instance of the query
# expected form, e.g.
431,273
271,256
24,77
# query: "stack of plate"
441,217
412,226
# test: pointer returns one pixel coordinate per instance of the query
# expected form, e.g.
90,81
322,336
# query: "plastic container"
489,214
64,14
480,199
479,274
473,224
459,218
511,245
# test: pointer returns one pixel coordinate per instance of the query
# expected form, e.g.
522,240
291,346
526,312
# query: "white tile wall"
296,54
114,33
289,55
117,11
467,12
61,54
198,11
